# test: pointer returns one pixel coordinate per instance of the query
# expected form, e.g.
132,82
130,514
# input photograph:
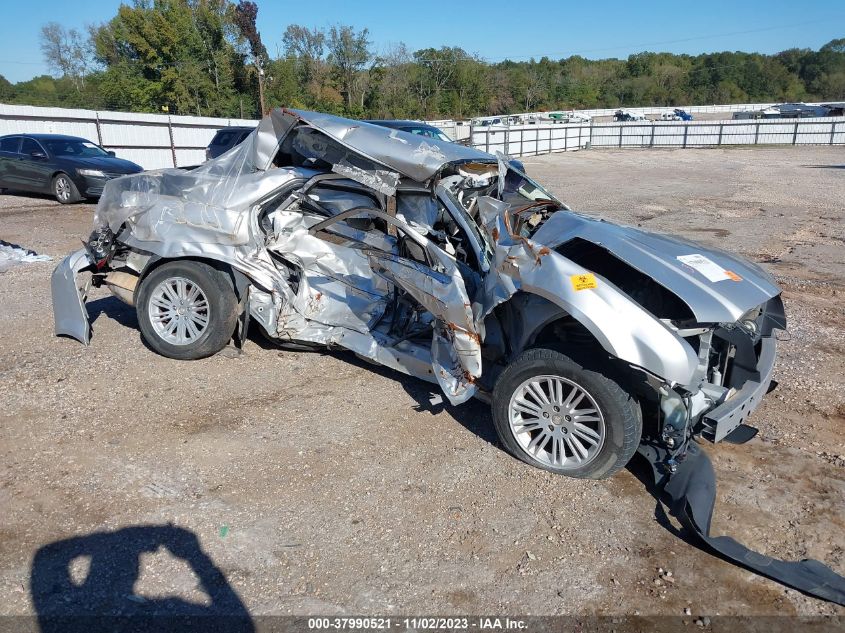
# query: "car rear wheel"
552,413
187,310
64,189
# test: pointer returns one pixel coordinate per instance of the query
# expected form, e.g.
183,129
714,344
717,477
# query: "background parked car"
225,139
675,115
625,115
69,167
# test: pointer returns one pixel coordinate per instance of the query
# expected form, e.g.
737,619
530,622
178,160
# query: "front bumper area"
92,186
69,312
721,420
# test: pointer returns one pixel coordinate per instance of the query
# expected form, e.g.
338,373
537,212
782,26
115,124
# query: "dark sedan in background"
69,167
413,127
225,139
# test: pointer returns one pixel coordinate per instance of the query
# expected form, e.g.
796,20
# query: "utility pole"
261,88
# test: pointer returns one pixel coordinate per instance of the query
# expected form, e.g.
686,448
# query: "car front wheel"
187,310
64,189
552,413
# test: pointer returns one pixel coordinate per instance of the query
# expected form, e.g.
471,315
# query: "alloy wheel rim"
179,311
557,422
63,188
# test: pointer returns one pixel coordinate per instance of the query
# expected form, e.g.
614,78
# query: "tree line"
207,58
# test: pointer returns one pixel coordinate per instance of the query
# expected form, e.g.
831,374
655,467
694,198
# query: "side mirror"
111,153
37,154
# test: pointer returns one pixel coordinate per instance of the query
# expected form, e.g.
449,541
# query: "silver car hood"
717,286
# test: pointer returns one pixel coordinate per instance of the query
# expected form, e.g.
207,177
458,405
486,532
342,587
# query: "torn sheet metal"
521,263
456,344
381,180
336,288
691,492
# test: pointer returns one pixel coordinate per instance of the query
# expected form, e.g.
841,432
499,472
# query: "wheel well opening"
567,332
157,262
570,337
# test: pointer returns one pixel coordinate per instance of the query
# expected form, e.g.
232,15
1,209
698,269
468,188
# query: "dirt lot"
318,484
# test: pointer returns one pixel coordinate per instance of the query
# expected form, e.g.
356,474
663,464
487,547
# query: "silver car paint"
70,316
212,212
657,255
622,327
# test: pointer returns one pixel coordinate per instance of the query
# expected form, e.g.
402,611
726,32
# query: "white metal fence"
653,110
151,140
154,140
531,140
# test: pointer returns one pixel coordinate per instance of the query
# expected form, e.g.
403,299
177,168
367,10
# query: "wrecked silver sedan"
445,263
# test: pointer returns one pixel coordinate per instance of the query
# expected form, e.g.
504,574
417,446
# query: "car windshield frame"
51,146
546,194
428,132
484,245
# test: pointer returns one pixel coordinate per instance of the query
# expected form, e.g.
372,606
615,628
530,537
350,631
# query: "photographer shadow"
105,599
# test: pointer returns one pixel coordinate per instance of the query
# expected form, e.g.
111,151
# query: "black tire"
64,190
621,414
222,311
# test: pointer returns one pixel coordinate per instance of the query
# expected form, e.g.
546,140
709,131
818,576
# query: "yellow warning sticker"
584,281
733,276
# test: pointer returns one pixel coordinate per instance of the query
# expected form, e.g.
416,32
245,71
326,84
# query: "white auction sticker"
706,267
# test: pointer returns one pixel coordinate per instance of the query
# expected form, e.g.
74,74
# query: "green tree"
7,90
66,52
349,53
181,54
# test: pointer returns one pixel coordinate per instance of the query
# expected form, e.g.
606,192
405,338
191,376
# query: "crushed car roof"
413,156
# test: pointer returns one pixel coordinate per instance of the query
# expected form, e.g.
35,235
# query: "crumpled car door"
439,287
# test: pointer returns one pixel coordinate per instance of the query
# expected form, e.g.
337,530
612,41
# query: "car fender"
622,327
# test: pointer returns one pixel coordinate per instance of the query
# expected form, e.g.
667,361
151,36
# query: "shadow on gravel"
104,598
824,166
113,308
474,415
642,469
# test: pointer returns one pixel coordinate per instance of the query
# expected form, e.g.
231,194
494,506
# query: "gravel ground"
318,484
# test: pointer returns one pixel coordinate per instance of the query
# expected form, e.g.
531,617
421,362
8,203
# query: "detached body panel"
69,313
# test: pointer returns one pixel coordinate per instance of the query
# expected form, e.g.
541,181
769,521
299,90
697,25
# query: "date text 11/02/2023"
417,623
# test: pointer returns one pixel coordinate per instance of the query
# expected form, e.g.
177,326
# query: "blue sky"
494,29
